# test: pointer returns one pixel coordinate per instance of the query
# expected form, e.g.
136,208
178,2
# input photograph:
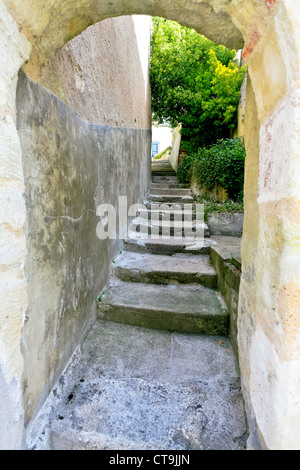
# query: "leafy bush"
184,173
220,165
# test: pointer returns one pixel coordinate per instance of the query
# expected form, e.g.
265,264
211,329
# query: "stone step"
155,269
171,199
131,388
143,228
181,308
167,206
162,170
164,178
173,207
168,247
161,162
160,167
166,172
166,185
168,213
169,192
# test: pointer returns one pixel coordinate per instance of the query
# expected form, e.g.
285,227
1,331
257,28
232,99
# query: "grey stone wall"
229,278
70,168
228,224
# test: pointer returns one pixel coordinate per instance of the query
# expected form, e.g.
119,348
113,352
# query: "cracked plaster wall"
70,167
72,163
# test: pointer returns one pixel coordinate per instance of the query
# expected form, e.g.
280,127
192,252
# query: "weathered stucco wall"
239,131
103,73
56,265
15,49
269,324
70,168
176,142
225,257
269,291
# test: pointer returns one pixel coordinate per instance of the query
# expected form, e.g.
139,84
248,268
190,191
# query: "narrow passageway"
75,134
157,370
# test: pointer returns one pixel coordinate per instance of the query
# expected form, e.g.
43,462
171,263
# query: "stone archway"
269,297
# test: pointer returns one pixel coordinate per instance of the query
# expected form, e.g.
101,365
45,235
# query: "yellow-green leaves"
194,82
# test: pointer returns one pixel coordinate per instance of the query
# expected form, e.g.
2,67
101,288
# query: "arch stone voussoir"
50,25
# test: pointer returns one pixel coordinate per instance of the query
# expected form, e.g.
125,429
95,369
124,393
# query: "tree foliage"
194,82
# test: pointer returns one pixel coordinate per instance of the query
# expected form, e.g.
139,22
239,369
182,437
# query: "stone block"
226,223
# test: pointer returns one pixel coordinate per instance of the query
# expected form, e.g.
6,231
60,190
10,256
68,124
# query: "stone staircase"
157,370
169,221
162,167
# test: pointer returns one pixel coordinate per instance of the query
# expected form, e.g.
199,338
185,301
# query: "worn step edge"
159,318
166,185
169,201
169,191
172,228
169,206
159,173
164,179
173,215
168,247
169,198
143,274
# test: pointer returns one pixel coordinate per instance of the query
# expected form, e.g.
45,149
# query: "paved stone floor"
130,388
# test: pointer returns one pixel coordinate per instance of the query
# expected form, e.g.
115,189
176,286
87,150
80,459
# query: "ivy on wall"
219,165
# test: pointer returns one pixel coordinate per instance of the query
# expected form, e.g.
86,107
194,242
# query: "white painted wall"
163,135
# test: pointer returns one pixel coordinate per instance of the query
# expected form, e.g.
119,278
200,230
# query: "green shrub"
220,165
184,173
